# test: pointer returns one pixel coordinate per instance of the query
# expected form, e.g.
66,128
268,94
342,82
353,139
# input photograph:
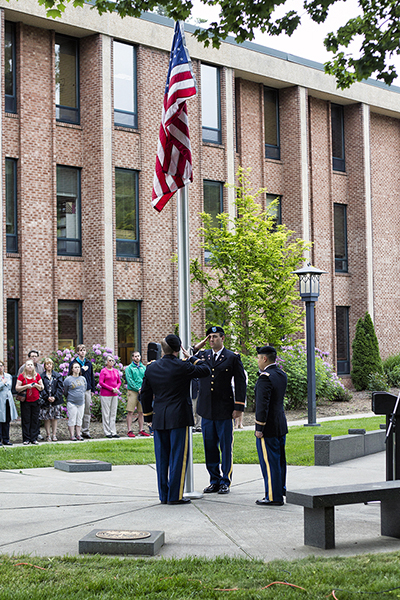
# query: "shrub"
366,357
391,368
293,360
97,355
377,382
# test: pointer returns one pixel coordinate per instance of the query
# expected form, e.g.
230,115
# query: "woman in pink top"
109,382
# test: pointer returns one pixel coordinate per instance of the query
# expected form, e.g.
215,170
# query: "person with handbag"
28,387
51,399
8,412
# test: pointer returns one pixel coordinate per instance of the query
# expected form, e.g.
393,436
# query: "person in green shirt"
134,374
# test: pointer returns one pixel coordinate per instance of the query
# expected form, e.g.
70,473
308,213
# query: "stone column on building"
2,299
230,140
108,189
368,208
305,195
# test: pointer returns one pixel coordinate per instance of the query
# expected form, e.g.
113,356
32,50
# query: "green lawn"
93,577
299,448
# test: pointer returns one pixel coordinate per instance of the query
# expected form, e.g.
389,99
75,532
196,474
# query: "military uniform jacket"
216,398
269,392
165,394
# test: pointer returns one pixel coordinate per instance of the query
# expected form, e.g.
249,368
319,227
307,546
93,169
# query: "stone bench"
330,450
319,508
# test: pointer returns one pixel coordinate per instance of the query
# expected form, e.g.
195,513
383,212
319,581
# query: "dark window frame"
278,197
209,134
343,366
139,333
273,151
338,162
10,100
213,183
79,304
117,111
12,305
12,238
341,263
59,107
122,244
65,240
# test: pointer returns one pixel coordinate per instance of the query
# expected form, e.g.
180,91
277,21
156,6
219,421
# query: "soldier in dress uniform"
218,405
271,426
166,403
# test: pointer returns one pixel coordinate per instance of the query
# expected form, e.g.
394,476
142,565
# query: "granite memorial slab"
82,465
124,542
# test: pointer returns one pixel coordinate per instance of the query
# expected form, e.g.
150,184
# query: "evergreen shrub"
366,357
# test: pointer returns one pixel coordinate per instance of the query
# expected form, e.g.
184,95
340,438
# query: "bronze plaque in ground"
114,534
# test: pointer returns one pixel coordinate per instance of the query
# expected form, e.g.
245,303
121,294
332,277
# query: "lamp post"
309,292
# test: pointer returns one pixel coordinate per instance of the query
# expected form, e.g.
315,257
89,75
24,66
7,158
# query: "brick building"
84,255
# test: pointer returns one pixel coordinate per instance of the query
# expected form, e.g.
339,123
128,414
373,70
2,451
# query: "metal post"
311,388
184,309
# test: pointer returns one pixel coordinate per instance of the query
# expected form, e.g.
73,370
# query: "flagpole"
184,309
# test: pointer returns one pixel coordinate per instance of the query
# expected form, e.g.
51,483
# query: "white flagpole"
184,308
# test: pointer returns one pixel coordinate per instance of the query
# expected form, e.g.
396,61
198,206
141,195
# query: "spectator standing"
87,372
110,382
52,398
134,374
34,356
31,383
8,412
74,391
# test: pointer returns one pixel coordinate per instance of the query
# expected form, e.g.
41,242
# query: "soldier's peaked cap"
215,329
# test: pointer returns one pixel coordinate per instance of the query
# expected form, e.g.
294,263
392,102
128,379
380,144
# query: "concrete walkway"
46,512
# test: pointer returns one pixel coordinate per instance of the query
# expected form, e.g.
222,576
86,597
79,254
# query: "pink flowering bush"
97,355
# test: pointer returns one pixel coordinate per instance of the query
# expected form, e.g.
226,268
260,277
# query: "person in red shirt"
31,383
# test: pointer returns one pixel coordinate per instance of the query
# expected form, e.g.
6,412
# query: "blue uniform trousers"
271,453
218,449
171,450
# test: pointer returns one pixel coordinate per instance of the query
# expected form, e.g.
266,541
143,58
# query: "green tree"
377,28
250,287
366,358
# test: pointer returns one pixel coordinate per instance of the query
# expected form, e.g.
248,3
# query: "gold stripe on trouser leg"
265,455
231,469
184,465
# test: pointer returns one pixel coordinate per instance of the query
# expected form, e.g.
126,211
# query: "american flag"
174,158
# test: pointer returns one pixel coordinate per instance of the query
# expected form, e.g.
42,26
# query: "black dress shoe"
212,488
86,435
183,501
163,502
265,502
109,436
223,489
115,435
7,443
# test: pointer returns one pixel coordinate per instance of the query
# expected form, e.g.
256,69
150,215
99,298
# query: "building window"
10,78
271,124
342,340
337,121
276,210
211,104
67,79
11,205
12,336
69,324
127,212
129,329
69,211
213,205
340,232
125,99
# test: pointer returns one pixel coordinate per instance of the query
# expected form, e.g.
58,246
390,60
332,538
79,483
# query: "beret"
215,329
265,350
173,342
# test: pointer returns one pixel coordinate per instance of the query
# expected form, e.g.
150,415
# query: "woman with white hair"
8,412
